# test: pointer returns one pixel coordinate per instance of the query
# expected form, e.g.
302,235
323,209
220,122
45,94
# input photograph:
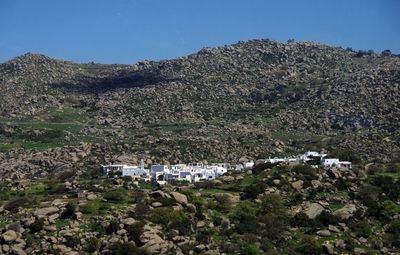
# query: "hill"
253,99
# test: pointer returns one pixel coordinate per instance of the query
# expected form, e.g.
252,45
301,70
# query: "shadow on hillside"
86,84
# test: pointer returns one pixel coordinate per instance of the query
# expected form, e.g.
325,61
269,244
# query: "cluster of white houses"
315,157
180,172
197,172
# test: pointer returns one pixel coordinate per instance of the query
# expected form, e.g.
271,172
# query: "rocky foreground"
283,209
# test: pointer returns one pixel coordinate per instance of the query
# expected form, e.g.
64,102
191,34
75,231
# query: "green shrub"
72,241
301,220
90,207
305,172
245,217
36,226
272,203
18,202
394,231
361,228
309,245
393,167
389,186
273,226
250,249
126,249
117,195
295,199
135,231
326,218
69,211
92,245
369,196
252,191
171,219
112,227
389,209
96,227
224,203
142,210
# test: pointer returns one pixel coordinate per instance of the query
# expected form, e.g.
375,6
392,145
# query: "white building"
159,169
106,169
329,162
248,164
134,171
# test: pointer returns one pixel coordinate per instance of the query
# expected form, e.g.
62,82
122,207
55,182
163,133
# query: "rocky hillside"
253,99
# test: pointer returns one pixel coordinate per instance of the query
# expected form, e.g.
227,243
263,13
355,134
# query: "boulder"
9,236
152,240
359,251
15,250
179,197
227,198
91,197
334,173
346,211
128,221
156,204
324,233
45,211
328,249
312,210
298,185
199,248
227,179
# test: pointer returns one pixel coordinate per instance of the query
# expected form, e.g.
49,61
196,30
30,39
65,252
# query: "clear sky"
127,31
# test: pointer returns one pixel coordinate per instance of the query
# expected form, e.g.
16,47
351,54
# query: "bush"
142,210
72,241
394,230
69,211
309,245
224,203
326,218
119,248
112,227
347,155
116,195
171,219
305,172
388,185
252,191
90,207
301,220
389,209
14,205
272,203
295,199
273,226
92,245
250,249
369,196
245,215
135,231
361,228
36,226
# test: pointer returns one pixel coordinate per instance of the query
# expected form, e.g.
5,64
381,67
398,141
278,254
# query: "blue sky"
127,31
